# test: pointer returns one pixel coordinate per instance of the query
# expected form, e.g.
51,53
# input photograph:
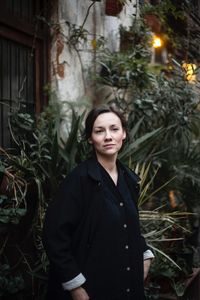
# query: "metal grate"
16,83
22,9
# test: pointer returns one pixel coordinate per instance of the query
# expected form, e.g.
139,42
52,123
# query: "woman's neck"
109,163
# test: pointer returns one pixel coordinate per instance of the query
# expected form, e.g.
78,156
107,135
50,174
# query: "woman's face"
107,134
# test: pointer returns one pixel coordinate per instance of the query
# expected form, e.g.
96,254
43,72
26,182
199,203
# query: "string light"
190,71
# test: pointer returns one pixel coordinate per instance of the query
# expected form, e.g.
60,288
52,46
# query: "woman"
91,232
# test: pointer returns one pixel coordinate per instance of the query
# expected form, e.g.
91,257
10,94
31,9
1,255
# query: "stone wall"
70,59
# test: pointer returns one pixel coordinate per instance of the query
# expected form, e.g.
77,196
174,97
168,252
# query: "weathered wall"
71,62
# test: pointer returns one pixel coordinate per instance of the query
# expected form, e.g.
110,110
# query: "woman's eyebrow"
95,127
112,125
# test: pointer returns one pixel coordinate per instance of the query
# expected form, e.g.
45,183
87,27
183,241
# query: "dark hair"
95,112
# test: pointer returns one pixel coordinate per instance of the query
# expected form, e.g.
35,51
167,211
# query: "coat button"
126,247
128,269
125,225
128,290
121,204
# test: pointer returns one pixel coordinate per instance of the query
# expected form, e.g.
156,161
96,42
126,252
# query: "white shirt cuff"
74,283
148,254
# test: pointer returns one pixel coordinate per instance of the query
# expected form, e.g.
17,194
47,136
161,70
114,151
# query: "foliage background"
163,147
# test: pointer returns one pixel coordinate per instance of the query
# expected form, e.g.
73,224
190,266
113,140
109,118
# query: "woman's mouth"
108,145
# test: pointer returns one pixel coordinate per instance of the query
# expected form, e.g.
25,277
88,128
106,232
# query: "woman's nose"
108,135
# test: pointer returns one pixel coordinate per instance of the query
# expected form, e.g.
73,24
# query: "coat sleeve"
61,220
144,245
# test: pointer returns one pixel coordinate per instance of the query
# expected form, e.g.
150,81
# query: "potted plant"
151,17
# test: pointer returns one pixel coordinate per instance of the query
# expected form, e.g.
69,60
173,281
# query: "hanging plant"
114,7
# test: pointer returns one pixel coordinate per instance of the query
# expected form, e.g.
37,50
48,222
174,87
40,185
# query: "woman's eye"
115,129
98,131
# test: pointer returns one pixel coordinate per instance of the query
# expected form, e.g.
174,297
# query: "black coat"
71,226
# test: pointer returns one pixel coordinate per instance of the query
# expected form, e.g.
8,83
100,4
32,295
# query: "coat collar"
130,173
94,171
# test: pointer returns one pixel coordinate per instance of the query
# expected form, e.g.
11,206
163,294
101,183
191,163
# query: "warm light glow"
157,42
190,71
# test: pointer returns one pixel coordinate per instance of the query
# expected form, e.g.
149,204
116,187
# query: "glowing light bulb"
157,42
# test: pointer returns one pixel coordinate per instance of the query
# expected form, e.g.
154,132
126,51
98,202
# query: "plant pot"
153,22
113,7
126,41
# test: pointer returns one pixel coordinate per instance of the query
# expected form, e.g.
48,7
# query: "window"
23,59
